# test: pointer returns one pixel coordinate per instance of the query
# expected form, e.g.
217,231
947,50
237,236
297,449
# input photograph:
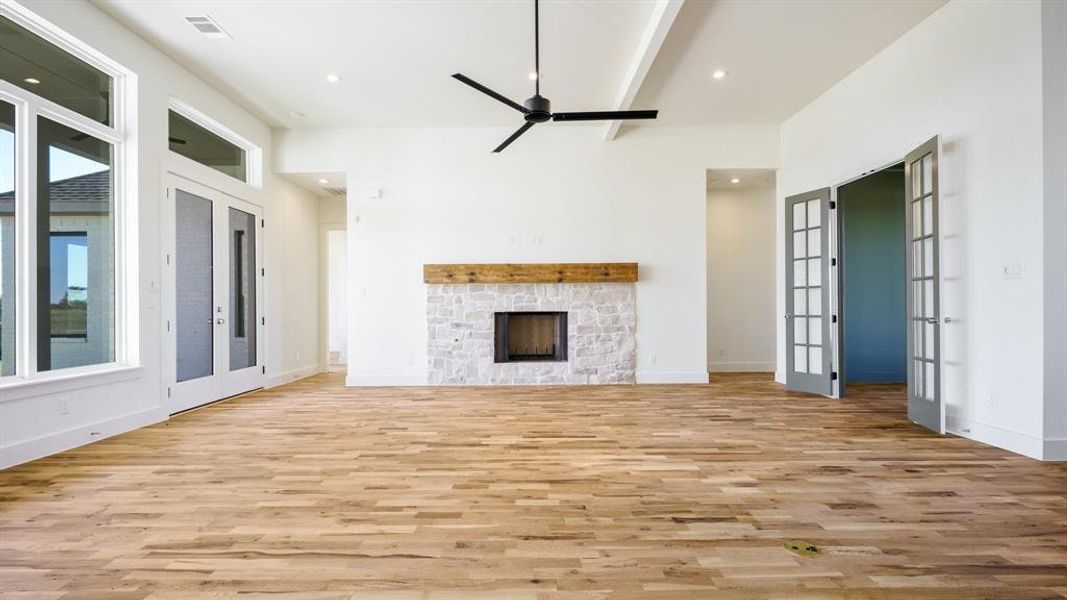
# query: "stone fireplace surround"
601,323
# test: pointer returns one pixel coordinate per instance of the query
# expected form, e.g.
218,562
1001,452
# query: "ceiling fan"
538,109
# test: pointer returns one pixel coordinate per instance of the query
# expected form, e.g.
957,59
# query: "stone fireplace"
520,333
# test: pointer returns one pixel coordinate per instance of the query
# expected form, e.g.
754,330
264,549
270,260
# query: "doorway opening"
741,222
336,307
873,275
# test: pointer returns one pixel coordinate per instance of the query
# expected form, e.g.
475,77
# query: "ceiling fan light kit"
537,108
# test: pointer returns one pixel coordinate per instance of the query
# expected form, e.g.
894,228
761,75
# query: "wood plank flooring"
319,492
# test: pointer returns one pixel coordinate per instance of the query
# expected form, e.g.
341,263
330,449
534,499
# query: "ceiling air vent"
337,191
207,26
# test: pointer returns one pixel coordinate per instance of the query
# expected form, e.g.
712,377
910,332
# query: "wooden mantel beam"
531,273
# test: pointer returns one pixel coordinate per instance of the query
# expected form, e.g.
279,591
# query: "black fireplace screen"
531,337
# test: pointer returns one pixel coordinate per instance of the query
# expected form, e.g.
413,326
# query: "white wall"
560,194
30,422
740,255
292,283
337,325
972,73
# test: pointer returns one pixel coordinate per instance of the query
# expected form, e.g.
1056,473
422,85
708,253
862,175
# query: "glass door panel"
194,322
242,330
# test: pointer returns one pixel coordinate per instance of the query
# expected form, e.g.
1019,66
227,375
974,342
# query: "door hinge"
263,320
263,223
264,369
168,259
833,205
833,319
833,376
833,262
263,272
168,326
168,392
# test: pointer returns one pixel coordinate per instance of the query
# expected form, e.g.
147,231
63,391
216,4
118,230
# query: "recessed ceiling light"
718,74
735,180
533,76
324,181
32,80
333,78
296,114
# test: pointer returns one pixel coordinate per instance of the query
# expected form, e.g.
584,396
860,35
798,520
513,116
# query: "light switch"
1012,270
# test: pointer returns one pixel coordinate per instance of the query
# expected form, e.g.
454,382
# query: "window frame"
28,108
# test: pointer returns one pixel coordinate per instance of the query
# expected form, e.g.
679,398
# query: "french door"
212,295
924,322
807,273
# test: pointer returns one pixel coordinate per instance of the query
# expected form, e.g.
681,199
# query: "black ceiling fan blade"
514,136
488,92
605,115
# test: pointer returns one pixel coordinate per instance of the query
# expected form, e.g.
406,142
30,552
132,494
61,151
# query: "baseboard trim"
277,379
401,380
54,443
1055,449
672,377
740,367
991,435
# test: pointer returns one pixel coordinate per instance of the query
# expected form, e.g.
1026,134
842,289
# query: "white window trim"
28,106
253,153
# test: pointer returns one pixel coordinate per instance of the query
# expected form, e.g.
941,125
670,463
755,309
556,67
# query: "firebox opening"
531,337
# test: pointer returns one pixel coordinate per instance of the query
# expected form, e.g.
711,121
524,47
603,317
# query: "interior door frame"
837,274
223,383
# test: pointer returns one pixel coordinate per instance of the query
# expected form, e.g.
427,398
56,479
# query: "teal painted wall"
875,317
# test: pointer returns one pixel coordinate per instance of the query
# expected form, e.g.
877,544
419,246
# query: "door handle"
220,321
789,316
932,320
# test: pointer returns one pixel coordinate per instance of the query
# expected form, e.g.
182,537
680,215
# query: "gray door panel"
807,274
924,317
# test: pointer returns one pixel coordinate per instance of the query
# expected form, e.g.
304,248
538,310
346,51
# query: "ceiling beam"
659,23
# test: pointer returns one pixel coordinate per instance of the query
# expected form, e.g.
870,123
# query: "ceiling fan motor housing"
540,109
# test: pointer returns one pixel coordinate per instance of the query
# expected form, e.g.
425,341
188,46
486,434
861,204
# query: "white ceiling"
395,57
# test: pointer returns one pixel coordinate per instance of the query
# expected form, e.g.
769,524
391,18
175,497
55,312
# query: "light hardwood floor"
316,491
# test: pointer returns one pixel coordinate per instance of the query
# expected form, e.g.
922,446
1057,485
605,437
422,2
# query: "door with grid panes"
809,352
924,335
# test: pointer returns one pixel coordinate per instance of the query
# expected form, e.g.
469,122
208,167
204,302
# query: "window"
7,239
69,297
209,149
74,195
30,62
58,232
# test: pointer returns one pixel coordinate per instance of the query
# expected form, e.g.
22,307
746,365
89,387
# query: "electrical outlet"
64,405
298,356
653,357
991,401
411,361
722,351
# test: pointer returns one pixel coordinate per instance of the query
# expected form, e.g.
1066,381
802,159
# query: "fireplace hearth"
530,337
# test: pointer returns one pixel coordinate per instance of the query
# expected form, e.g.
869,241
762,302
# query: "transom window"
197,143
60,160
